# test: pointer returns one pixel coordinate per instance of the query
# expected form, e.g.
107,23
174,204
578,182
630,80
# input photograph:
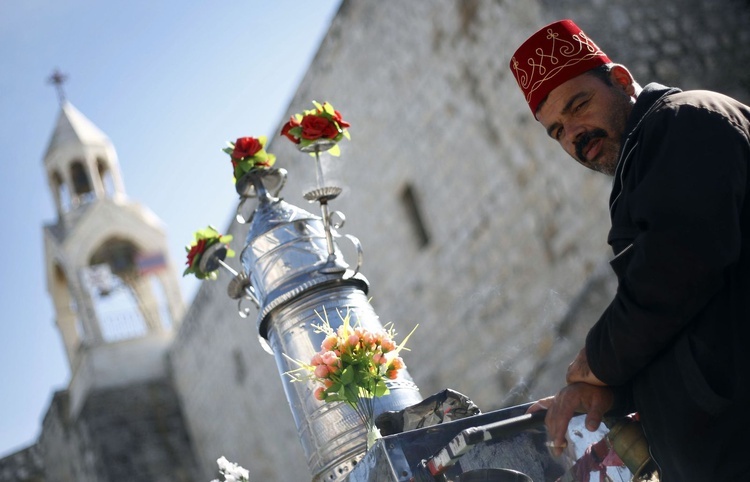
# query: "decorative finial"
58,79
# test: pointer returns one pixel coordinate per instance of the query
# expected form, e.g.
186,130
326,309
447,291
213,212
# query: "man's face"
587,117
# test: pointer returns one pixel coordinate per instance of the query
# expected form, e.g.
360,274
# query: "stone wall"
25,465
67,455
230,389
131,433
691,44
474,224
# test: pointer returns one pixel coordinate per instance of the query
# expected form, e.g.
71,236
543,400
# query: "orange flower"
387,344
329,343
320,393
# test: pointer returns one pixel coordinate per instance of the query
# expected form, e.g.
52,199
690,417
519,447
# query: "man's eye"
580,106
558,134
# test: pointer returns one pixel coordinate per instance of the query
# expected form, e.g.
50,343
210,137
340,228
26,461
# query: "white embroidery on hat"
559,50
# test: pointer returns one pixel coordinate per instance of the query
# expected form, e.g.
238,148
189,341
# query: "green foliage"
202,240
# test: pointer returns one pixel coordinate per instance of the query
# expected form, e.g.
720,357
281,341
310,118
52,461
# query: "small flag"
150,263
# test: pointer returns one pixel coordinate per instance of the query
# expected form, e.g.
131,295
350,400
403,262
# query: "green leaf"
380,389
342,393
335,151
347,375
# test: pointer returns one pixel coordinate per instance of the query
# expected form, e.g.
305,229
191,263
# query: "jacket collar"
649,96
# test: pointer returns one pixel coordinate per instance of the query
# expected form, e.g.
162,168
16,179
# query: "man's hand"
579,371
576,398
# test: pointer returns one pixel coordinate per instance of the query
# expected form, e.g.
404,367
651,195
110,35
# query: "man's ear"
621,78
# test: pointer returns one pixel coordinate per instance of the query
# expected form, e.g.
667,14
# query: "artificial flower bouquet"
203,240
323,123
248,153
352,366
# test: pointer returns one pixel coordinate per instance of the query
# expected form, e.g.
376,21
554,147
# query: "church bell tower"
115,293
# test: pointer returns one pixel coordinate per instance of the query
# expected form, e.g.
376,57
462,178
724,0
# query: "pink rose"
369,338
330,358
353,340
321,371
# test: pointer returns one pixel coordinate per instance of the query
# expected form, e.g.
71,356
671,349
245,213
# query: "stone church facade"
474,224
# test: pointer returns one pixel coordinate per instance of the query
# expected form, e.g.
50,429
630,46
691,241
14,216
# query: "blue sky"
169,83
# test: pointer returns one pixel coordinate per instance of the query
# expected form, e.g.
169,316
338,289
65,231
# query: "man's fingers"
539,405
593,420
557,419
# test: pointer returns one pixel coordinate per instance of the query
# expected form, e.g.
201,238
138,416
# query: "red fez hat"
552,56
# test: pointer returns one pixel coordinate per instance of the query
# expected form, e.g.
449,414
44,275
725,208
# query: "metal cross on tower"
58,79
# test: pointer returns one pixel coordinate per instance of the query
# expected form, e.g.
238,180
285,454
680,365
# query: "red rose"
246,147
337,117
314,127
195,251
289,126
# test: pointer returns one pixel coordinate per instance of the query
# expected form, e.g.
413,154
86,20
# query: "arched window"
81,182
112,280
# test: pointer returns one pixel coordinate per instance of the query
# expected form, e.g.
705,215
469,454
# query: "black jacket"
676,337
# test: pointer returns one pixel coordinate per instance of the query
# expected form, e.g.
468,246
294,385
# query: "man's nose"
574,133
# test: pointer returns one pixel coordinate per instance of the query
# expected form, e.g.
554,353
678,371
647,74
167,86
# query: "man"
674,343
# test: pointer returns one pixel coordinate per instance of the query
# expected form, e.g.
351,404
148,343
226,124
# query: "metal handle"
461,443
360,253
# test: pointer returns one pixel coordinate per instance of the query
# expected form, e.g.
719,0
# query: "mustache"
585,138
